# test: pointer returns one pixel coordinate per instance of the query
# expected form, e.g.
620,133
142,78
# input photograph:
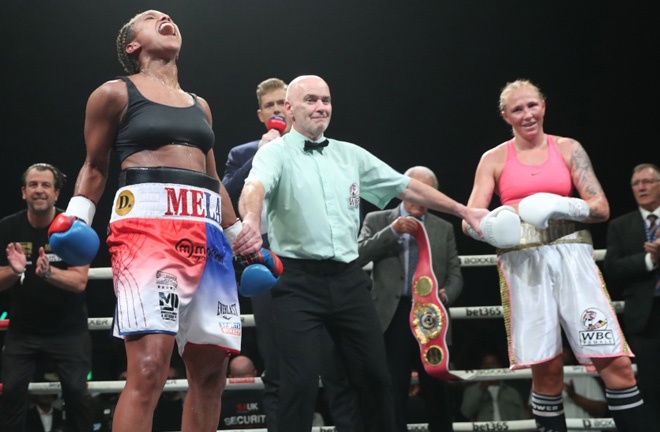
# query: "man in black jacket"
631,262
48,315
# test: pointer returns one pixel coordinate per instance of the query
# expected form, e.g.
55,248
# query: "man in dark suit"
270,96
384,240
631,262
336,387
42,416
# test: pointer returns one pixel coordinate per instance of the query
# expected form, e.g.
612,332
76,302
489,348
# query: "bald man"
242,408
241,367
314,186
386,240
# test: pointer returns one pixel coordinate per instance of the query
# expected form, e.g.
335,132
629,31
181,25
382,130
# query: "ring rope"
257,383
573,424
466,261
469,312
511,425
473,312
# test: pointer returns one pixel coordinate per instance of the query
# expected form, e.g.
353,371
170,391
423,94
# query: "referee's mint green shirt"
313,197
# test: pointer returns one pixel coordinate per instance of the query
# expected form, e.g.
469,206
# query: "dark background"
414,82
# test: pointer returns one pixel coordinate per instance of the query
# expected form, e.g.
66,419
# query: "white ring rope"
466,261
256,383
473,312
470,312
511,425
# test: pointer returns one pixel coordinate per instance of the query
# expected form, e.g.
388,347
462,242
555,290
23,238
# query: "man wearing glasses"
631,262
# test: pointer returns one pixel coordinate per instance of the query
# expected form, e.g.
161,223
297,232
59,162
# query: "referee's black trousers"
311,295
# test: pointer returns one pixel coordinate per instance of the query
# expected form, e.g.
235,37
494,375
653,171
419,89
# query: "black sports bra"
149,125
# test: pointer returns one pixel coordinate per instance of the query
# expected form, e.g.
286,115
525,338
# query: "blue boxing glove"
256,279
261,271
265,257
71,238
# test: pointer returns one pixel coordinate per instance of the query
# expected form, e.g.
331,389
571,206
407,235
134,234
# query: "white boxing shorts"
171,263
549,282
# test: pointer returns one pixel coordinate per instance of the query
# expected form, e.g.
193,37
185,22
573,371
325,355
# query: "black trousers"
71,355
312,296
646,346
402,357
341,397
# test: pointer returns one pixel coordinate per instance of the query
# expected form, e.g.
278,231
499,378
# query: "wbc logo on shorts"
594,321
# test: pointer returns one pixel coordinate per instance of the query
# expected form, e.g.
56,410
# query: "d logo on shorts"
125,202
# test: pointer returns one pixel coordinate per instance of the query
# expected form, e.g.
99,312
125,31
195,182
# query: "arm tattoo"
583,173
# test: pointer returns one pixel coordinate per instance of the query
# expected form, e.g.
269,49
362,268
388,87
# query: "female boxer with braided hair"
549,280
170,230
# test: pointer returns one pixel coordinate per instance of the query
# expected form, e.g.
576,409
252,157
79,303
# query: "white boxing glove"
539,208
501,228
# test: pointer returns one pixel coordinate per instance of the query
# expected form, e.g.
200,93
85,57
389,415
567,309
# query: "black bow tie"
309,145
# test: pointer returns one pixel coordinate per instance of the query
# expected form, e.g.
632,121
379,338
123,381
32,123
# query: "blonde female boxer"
549,280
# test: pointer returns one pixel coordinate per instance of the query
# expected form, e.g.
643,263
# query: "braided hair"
126,36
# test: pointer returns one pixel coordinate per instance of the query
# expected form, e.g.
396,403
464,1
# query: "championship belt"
428,316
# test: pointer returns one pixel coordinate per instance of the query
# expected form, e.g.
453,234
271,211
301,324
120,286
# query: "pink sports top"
518,180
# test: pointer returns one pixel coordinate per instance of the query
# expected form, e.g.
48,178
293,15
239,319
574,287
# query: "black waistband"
132,176
325,267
